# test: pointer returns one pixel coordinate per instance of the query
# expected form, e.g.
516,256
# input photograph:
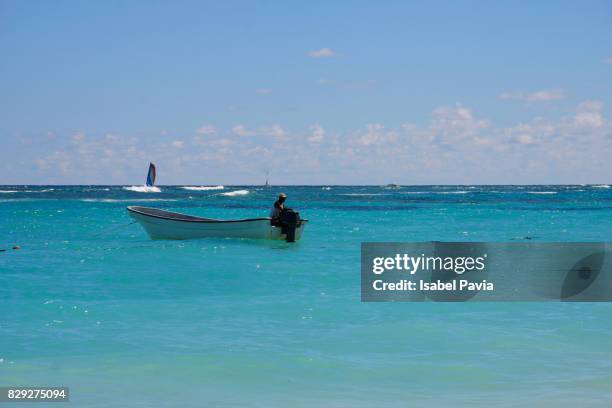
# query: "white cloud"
317,134
263,91
203,134
543,96
588,114
589,106
538,96
452,114
62,161
373,135
609,60
78,137
179,144
112,138
221,142
241,130
206,130
525,139
322,53
275,131
452,123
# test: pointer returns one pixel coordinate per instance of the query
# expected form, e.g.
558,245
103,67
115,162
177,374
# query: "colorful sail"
151,175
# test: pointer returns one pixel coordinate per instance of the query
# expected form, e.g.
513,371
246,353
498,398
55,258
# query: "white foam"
96,189
363,194
12,200
601,186
236,193
28,191
452,192
203,188
115,200
541,192
326,188
143,189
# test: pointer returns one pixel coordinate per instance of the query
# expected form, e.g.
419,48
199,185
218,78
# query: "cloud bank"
456,146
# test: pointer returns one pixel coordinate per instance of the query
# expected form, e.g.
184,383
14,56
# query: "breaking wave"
46,190
143,189
362,194
116,200
236,193
203,188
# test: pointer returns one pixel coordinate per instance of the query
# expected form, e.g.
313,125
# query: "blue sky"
312,92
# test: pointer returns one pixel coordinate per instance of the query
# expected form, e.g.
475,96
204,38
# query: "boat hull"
161,224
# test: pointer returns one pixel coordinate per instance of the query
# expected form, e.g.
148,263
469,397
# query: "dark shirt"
276,210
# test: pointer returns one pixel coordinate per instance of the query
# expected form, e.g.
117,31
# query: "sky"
317,92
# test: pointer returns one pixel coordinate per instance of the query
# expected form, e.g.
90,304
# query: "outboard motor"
290,220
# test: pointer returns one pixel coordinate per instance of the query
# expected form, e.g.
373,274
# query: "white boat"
162,224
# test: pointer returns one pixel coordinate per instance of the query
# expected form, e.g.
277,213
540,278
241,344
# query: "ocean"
91,303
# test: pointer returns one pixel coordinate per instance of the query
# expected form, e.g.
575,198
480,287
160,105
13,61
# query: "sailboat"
267,185
151,175
149,186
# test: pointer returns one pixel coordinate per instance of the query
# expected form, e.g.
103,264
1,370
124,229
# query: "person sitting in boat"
279,206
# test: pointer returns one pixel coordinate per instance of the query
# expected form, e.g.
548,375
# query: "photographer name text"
415,264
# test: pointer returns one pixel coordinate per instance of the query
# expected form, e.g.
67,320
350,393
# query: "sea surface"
90,302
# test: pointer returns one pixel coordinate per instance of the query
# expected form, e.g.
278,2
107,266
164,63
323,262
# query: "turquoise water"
91,303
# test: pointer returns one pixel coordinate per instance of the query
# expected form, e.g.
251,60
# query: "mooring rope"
114,228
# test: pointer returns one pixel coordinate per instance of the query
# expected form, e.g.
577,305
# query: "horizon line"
302,185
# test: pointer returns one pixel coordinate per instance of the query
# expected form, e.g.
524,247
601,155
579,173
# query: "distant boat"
392,186
267,183
162,224
149,186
